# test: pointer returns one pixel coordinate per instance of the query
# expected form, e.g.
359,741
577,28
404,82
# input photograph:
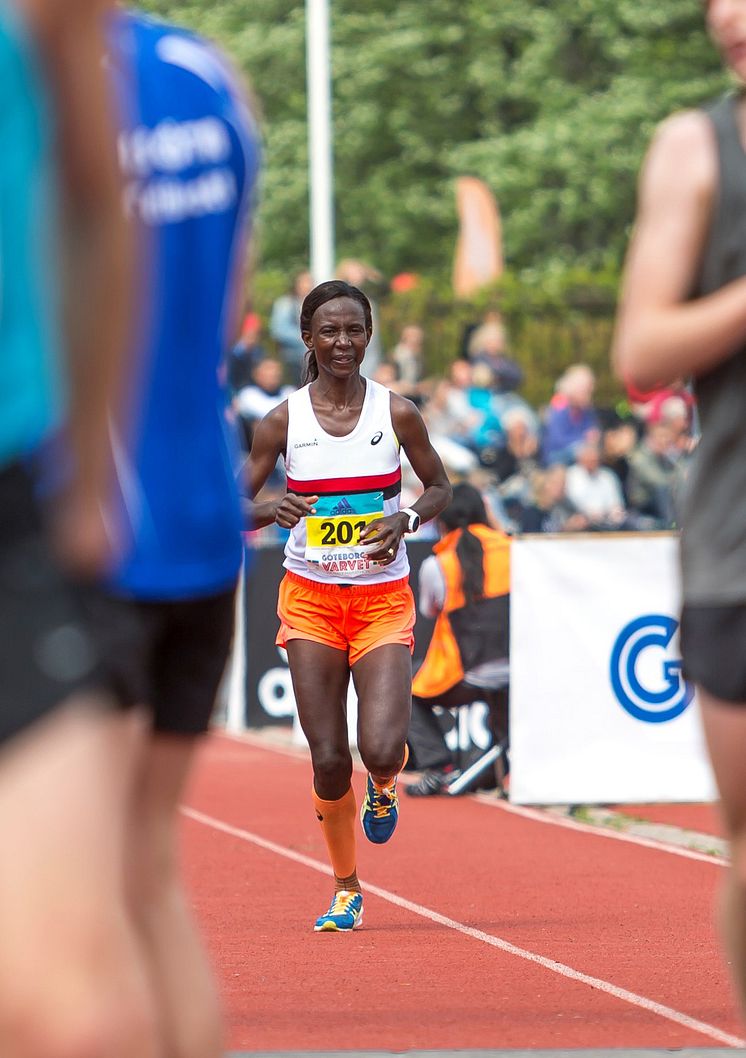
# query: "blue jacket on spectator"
564,430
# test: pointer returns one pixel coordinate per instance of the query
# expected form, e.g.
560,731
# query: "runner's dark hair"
465,509
334,288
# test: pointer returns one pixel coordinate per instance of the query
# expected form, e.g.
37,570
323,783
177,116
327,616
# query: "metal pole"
318,80
235,719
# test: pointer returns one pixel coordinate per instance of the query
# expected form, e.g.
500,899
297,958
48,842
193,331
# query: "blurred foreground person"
72,984
683,313
465,585
190,155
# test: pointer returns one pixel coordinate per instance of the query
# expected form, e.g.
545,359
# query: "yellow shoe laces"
341,902
382,811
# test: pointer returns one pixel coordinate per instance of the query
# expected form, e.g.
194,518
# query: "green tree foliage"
551,102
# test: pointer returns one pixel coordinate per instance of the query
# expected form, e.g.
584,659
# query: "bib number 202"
341,531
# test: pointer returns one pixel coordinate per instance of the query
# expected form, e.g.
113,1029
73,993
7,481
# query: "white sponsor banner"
599,710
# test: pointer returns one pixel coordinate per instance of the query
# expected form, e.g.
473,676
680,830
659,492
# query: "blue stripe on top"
29,370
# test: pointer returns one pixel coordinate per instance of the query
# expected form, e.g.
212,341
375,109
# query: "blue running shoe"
345,913
380,812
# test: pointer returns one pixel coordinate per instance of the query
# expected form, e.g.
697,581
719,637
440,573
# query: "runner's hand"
292,508
383,537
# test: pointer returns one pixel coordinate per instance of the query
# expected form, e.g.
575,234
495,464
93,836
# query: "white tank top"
357,479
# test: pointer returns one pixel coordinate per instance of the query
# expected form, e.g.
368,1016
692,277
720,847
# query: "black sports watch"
413,517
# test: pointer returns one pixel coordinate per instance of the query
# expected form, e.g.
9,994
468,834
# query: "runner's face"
339,337
726,21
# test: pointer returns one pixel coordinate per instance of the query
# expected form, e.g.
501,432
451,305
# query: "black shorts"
169,656
713,649
47,655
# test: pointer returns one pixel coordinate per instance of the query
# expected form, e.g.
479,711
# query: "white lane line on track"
534,814
586,828
477,934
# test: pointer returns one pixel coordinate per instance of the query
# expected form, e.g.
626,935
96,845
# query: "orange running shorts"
355,618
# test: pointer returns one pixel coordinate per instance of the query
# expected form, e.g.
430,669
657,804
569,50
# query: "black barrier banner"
269,696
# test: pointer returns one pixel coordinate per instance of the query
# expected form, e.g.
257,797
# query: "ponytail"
470,554
467,508
310,368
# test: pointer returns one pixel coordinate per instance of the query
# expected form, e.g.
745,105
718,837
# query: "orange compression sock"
383,781
338,820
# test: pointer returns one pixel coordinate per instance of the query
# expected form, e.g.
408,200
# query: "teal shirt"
29,383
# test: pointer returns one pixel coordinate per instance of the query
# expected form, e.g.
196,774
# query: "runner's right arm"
269,443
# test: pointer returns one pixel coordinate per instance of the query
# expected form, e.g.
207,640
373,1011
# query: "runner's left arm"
413,437
96,273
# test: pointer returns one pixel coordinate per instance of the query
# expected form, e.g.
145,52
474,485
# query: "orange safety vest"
466,635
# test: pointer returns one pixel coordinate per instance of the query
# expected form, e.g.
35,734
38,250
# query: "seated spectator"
465,584
488,340
284,327
245,354
387,374
507,400
676,414
470,338
551,511
408,355
595,490
617,442
460,382
651,475
571,419
488,433
448,413
266,391
520,452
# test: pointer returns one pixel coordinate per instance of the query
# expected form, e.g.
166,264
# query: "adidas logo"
343,507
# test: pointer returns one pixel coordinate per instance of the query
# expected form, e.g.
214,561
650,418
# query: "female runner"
345,605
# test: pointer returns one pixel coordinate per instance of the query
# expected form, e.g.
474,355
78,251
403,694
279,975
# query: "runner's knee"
383,757
332,769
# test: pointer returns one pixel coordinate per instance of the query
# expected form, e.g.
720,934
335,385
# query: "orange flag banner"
479,255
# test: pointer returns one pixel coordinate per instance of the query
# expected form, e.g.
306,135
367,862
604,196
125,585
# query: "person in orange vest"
465,584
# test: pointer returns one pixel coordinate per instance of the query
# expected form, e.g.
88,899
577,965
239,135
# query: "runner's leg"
320,679
72,977
725,729
383,681
185,992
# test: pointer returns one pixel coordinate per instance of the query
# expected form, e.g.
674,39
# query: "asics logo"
376,437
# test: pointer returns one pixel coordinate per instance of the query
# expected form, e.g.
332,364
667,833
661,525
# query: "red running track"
703,818
603,917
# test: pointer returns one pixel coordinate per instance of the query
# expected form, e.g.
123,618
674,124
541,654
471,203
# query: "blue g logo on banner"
653,704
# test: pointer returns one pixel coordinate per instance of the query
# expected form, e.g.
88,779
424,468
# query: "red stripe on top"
362,484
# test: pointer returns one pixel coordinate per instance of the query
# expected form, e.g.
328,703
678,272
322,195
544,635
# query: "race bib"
333,533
